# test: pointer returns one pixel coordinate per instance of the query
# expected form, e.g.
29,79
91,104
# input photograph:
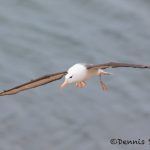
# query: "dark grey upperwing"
116,65
34,83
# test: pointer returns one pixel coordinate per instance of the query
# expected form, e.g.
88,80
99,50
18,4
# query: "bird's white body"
79,73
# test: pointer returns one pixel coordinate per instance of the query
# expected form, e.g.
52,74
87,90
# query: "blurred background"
39,37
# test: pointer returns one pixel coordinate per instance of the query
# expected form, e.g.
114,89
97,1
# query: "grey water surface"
39,37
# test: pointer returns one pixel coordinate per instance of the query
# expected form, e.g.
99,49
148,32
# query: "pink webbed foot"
81,84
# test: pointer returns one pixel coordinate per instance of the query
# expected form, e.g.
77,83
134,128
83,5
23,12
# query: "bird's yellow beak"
64,84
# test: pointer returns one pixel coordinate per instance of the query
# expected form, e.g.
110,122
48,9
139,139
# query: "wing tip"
2,93
5,92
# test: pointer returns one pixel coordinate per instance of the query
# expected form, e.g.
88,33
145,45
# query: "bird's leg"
103,85
78,84
81,84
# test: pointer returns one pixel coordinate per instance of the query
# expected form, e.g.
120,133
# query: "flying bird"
77,74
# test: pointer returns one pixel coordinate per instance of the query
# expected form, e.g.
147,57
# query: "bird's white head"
75,73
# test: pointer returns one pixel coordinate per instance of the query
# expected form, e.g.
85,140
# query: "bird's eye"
70,77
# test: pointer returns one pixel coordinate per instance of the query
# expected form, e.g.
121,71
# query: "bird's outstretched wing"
34,83
116,65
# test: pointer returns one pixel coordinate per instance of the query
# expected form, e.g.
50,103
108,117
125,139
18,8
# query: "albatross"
78,74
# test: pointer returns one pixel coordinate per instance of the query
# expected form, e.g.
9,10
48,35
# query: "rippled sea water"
39,37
